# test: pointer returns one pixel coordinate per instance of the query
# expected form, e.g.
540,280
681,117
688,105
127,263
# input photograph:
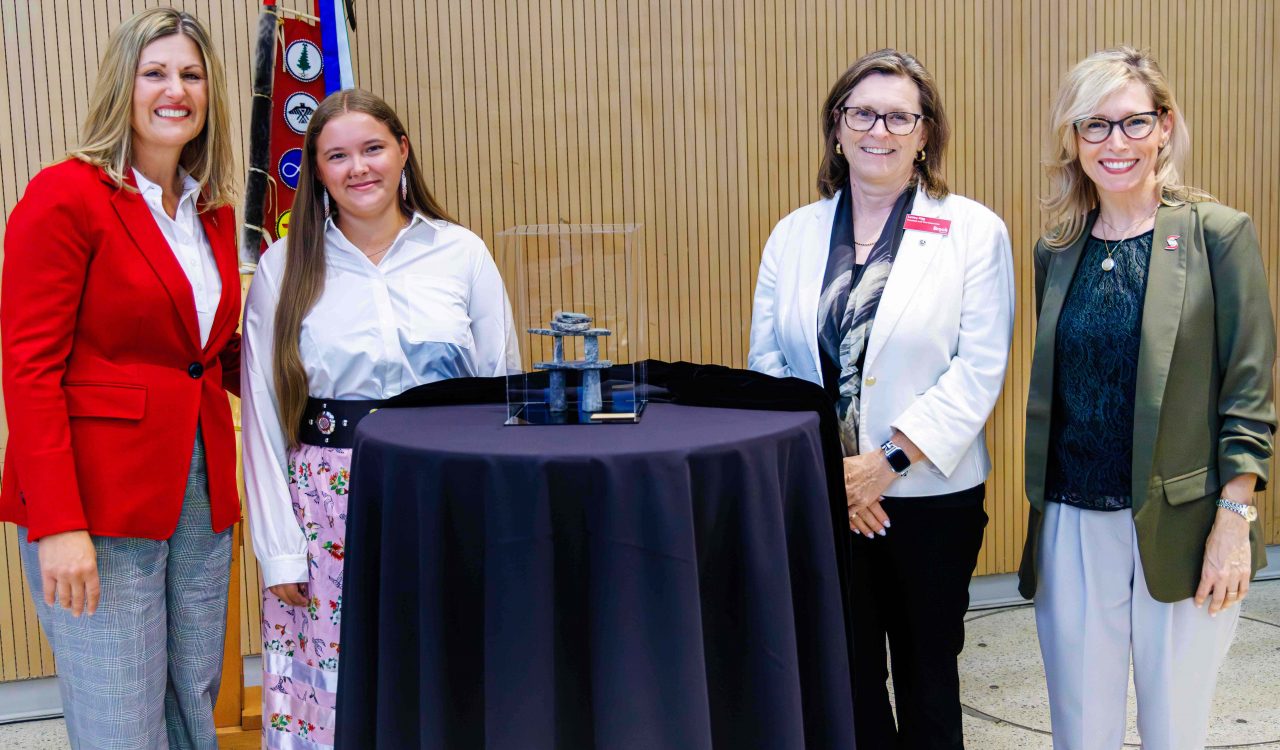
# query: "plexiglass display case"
580,314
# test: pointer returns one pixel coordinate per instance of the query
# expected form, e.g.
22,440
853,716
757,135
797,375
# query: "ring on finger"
1233,594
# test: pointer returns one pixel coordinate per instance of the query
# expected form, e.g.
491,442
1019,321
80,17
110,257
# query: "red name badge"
927,224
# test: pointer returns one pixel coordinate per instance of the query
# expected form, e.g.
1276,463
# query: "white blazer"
939,344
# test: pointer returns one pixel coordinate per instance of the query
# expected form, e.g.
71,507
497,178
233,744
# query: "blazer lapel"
812,267
915,255
141,227
225,256
1062,269
1161,314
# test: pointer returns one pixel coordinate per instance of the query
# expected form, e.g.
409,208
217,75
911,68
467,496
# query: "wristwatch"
1246,511
897,458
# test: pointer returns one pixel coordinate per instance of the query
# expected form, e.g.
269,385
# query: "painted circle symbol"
304,60
298,109
290,168
282,224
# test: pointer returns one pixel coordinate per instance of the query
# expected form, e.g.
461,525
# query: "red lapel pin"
1171,242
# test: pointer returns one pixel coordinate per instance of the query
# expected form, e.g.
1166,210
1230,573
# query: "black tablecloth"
670,584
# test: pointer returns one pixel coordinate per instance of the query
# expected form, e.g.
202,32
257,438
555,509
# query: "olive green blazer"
1205,406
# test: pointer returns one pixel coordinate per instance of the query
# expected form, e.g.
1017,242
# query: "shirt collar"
416,221
152,192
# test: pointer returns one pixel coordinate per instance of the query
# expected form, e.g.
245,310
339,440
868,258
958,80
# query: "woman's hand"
69,571
1224,579
866,477
870,521
291,593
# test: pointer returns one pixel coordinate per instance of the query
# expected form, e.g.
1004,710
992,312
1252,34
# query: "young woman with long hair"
375,290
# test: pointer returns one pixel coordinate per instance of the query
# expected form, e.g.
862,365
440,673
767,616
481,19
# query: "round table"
667,584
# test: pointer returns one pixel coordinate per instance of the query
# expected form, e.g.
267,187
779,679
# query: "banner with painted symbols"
312,60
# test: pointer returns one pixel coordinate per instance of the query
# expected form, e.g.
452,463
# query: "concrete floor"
1002,686
1007,707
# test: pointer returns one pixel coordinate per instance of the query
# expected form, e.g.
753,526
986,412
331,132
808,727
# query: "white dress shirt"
435,308
190,245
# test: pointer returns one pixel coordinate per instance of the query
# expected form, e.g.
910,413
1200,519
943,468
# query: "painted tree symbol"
304,60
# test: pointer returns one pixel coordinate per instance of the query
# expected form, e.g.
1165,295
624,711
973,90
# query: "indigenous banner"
297,90
312,60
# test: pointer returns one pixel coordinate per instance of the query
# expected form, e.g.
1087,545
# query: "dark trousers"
912,586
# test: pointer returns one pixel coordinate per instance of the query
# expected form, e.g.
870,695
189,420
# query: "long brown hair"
1071,193
106,138
304,268
833,172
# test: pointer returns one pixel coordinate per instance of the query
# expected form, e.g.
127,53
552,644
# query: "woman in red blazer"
118,330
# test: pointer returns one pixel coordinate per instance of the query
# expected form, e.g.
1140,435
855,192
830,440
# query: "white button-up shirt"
190,245
435,308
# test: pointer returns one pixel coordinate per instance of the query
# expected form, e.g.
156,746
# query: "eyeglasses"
1135,127
863,119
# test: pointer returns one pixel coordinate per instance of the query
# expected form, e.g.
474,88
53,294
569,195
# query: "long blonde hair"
106,138
1072,194
304,268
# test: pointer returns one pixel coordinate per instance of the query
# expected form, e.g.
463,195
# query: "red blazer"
104,376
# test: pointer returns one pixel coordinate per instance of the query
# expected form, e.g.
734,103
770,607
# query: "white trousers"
1093,611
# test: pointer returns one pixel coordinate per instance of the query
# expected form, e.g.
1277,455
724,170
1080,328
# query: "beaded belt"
331,423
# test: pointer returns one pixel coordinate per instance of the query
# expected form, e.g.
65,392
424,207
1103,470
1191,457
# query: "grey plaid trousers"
143,672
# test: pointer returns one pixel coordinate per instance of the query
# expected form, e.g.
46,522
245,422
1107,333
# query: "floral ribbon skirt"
300,644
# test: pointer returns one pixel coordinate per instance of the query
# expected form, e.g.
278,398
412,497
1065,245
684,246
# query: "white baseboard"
28,700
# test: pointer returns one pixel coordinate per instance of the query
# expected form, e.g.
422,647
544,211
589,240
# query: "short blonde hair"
833,172
1071,193
107,133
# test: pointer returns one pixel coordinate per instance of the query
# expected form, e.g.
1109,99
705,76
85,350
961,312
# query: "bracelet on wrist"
1247,511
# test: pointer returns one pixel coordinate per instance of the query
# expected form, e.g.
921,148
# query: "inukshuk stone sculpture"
574,324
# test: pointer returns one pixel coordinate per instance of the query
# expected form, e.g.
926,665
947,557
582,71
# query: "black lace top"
1095,378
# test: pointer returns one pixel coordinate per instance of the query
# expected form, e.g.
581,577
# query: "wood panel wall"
698,120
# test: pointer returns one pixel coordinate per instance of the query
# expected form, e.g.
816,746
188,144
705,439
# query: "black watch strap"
897,458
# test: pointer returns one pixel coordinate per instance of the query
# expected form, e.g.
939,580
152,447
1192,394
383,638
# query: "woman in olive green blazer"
1150,399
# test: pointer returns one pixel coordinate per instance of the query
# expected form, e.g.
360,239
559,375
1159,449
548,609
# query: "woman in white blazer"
897,297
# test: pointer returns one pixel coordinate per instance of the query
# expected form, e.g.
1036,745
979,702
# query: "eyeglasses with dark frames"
1135,127
862,119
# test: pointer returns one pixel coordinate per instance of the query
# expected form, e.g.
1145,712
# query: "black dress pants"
912,586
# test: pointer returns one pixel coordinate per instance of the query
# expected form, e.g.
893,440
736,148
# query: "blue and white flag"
337,48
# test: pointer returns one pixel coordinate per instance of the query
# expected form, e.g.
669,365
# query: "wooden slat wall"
698,120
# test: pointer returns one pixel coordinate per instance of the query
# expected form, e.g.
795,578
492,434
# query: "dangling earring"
839,151
920,156
325,200
404,186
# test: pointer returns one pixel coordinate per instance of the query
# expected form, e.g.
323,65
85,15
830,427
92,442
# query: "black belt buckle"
331,422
